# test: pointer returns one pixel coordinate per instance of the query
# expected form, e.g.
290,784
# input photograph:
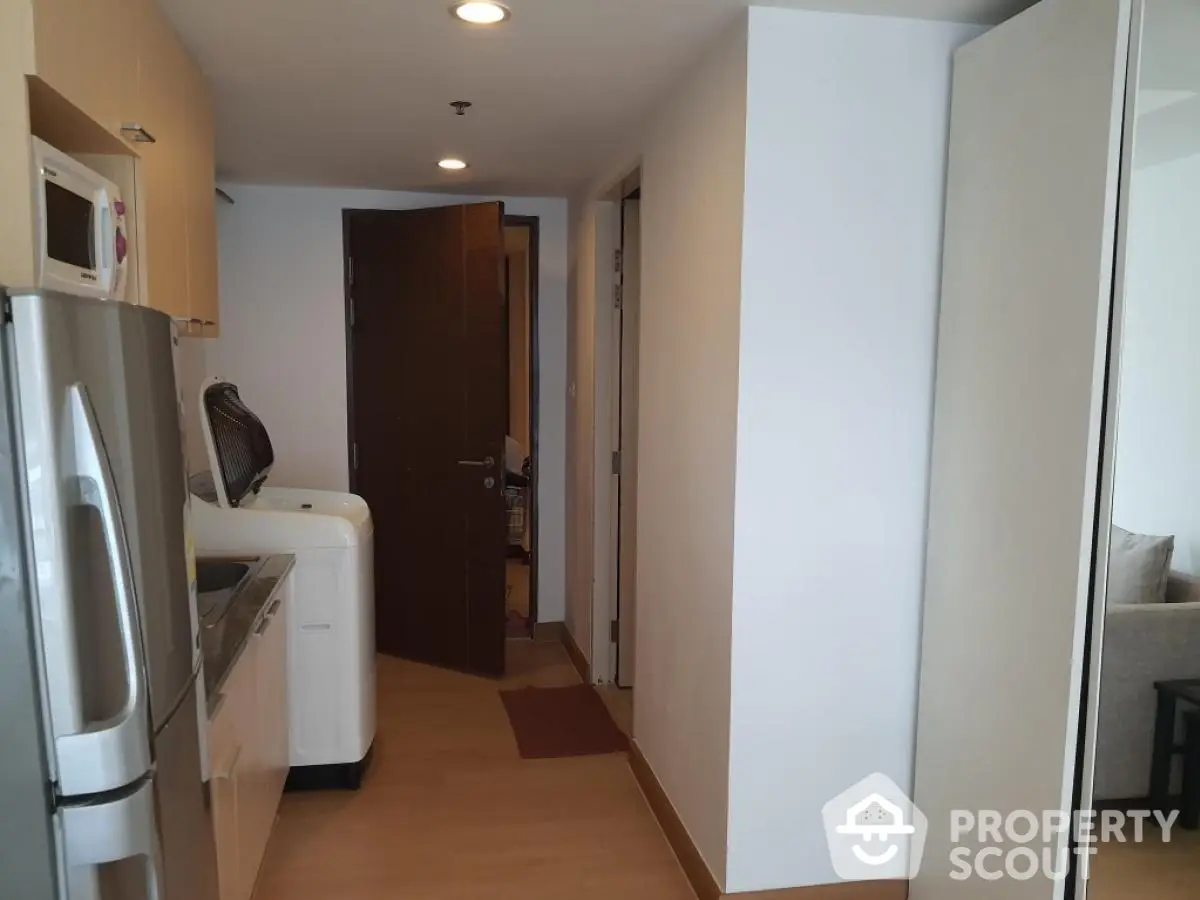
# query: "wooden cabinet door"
257,826
199,186
225,821
270,759
273,704
249,747
231,754
87,51
162,171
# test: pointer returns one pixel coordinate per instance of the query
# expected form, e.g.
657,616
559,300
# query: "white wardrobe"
1041,151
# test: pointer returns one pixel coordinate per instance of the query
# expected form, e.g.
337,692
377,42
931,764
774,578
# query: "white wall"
792,195
283,338
1157,486
845,168
580,424
692,182
191,368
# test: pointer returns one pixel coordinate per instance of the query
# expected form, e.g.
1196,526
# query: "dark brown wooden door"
428,413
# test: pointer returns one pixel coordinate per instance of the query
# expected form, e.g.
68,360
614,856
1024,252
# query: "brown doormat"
564,721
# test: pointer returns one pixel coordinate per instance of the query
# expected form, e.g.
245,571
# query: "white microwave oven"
80,237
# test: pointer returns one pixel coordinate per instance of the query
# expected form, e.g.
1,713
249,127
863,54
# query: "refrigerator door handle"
116,752
98,833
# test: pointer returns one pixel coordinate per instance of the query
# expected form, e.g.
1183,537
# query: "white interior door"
1028,266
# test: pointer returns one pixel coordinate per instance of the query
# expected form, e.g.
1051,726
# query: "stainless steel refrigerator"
101,787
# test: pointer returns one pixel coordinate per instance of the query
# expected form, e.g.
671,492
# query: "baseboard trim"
848,890
701,878
558,631
690,860
582,666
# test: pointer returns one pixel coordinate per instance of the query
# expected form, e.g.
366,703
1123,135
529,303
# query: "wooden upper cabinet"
200,184
120,62
88,51
163,71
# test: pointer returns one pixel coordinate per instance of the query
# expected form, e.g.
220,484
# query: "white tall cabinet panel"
1028,269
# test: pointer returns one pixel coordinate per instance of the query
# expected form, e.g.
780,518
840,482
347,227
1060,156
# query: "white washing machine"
331,642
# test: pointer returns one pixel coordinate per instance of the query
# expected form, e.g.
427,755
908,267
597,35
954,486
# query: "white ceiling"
356,92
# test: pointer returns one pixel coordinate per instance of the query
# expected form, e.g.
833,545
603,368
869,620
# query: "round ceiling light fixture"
452,164
480,12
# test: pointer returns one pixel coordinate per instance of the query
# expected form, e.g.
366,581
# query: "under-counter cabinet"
248,751
228,732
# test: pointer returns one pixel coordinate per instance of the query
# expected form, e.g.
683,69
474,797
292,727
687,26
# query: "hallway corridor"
449,811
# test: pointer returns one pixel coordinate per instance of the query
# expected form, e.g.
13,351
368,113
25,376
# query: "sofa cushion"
1183,588
1138,565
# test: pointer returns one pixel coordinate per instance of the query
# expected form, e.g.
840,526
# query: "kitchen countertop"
223,643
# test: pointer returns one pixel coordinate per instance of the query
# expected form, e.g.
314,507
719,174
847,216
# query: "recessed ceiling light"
481,12
452,164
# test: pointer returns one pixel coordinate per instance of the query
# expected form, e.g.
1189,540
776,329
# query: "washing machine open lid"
239,448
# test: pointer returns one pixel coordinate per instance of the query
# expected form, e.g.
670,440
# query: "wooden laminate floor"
449,811
620,705
1152,870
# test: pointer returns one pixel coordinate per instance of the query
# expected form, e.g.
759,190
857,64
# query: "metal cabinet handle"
136,133
115,752
227,774
265,622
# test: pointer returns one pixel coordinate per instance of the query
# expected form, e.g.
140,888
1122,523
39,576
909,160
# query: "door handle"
106,755
97,833
488,462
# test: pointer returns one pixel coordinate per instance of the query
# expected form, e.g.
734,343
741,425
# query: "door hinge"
352,316
614,631
617,296
7,311
616,462
354,455
618,261
350,267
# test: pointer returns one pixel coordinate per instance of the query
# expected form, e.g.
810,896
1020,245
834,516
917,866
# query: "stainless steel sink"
219,576
217,584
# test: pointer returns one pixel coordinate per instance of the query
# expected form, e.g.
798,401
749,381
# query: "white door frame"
604,556
1085,774
626,320
606,347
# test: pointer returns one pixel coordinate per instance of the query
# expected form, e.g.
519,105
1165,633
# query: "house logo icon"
874,832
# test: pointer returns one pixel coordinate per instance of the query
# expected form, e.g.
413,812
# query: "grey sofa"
1143,643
